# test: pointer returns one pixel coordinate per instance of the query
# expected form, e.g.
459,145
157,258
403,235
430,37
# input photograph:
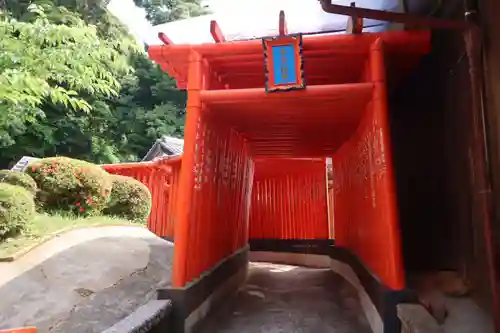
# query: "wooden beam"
283,30
258,95
216,32
382,15
397,41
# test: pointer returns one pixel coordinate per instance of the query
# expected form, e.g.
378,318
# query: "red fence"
289,199
218,206
366,220
161,178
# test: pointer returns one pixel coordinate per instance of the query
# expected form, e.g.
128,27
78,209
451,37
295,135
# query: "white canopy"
248,19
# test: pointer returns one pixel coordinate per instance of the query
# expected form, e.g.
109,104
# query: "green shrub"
130,199
17,208
67,184
19,179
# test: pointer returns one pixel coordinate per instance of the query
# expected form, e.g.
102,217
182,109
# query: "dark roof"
165,146
22,164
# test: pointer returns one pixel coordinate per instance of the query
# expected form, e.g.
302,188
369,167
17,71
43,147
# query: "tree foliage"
73,82
163,11
41,64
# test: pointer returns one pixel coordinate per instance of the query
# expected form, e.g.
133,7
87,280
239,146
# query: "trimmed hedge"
66,184
129,199
17,208
19,179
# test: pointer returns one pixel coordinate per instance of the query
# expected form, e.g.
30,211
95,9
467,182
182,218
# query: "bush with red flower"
130,199
67,184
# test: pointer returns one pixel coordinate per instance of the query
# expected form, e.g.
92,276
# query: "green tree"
149,106
73,82
163,11
52,65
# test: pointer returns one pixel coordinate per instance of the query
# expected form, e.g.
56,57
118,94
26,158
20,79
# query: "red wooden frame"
296,42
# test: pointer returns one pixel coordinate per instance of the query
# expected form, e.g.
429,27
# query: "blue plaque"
285,71
283,63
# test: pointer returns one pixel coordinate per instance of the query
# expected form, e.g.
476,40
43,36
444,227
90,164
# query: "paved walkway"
464,316
281,298
84,280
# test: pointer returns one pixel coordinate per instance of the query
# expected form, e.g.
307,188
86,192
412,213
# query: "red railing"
161,177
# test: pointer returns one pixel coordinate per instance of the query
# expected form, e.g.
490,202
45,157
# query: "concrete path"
84,280
282,298
464,316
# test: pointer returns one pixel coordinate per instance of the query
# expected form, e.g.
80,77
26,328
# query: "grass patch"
45,225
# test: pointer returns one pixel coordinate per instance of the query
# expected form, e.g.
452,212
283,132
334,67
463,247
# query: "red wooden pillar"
389,201
186,179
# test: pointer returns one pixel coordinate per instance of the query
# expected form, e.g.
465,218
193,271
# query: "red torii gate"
341,113
225,105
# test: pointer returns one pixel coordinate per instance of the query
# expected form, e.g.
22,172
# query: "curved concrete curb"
66,240
58,233
150,317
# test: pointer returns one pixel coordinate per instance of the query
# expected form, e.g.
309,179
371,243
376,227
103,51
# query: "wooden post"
186,179
380,105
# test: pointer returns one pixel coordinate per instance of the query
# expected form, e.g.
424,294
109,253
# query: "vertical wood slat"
289,200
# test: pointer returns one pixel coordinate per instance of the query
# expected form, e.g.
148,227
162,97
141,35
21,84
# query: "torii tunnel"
253,167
